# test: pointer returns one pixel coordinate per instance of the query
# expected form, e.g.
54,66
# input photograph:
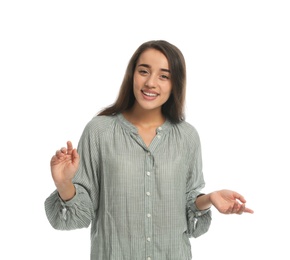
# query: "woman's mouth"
149,94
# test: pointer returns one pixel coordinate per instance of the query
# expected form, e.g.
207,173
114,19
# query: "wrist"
203,201
66,190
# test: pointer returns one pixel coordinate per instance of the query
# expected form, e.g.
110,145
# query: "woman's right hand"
64,165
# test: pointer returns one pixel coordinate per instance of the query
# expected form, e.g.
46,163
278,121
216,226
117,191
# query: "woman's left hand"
229,202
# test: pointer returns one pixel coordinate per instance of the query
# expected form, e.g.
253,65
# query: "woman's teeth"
149,94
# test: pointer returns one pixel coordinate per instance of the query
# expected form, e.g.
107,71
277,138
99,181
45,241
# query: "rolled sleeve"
73,214
198,221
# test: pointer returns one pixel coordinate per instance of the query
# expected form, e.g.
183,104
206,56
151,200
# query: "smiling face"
151,82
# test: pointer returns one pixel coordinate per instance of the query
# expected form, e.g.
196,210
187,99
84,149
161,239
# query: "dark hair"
173,108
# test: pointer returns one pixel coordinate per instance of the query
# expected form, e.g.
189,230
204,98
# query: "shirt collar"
129,126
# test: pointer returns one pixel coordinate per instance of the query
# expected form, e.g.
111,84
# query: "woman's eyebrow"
148,66
165,70
144,65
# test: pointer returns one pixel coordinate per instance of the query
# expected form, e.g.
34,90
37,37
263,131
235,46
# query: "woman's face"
152,80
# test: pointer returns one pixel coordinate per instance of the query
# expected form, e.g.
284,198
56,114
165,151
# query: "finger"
249,210
69,147
236,207
229,210
63,150
53,159
239,197
75,157
56,158
58,153
241,209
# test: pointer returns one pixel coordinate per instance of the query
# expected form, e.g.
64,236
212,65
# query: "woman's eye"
143,72
164,77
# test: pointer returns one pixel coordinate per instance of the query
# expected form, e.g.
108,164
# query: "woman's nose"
151,82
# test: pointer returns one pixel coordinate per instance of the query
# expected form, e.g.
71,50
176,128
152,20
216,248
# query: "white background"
62,61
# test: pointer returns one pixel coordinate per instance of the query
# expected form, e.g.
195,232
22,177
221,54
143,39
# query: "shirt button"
149,153
148,193
148,239
148,173
149,258
159,128
148,215
158,136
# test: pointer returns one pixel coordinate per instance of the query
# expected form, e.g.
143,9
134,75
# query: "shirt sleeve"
198,221
80,210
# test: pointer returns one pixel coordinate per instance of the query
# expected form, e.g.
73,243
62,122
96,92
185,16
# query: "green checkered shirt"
137,200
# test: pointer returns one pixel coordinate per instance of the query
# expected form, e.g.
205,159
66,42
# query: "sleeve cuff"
196,211
72,201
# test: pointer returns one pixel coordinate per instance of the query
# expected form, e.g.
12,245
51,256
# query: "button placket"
149,184
157,139
159,129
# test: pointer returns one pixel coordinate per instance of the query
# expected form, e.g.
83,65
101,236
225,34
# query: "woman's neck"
144,118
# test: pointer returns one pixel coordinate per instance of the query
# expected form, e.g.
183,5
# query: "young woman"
136,176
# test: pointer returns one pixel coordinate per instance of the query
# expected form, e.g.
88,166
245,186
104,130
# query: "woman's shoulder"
187,128
103,119
100,123
188,132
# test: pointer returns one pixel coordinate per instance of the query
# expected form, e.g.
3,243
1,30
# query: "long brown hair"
173,108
